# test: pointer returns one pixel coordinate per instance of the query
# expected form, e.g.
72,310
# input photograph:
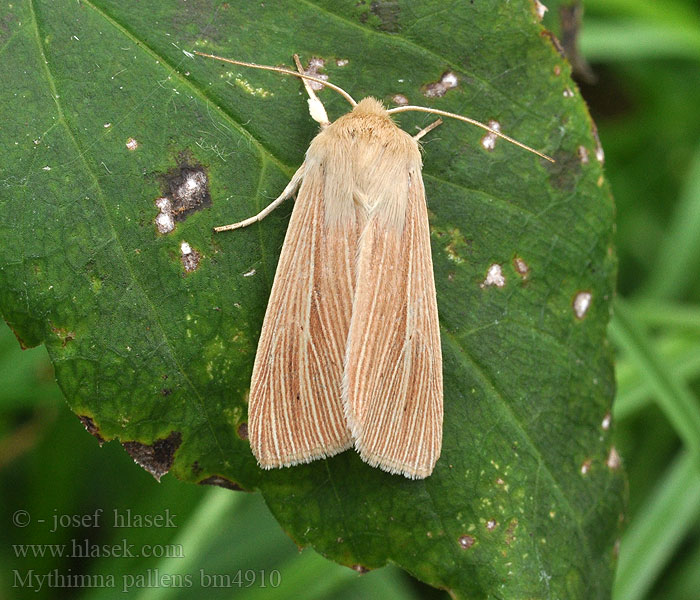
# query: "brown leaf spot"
64,335
220,481
312,69
91,428
387,11
185,191
510,532
22,344
521,268
243,431
158,457
438,89
190,257
555,42
360,569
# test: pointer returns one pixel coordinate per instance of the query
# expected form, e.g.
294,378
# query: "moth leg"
316,108
288,192
427,129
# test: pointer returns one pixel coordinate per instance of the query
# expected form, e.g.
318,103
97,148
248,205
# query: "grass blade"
672,396
658,528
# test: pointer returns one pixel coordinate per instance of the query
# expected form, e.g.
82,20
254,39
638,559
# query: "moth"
349,352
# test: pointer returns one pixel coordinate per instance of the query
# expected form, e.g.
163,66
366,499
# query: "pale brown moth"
349,352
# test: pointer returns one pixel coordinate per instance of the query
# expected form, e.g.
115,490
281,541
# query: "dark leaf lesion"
158,457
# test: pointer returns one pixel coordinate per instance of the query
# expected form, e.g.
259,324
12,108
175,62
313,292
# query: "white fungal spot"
165,222
607,419
489,140
521,267
46,168
312,70
568,93
399,99
449,80
582,302
132,144
190,258
193,181
599,154
491,524
187,191
614,459
107,125
341,62
249,273
188,54
586,466
540,9
163,204
583,154
494,276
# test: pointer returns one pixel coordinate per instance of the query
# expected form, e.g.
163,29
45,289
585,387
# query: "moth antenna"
444,113
332,86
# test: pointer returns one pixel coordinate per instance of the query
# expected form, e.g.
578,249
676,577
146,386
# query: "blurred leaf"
675,400
200,528
679,253
668,315
681,354
106,114
670,11
630,39
684,581
658,528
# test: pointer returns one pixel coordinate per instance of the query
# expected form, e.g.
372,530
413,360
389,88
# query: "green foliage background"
644,105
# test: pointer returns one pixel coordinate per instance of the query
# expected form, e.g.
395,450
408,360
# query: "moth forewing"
393,370
295,412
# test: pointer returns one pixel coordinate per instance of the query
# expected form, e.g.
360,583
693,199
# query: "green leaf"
107,112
